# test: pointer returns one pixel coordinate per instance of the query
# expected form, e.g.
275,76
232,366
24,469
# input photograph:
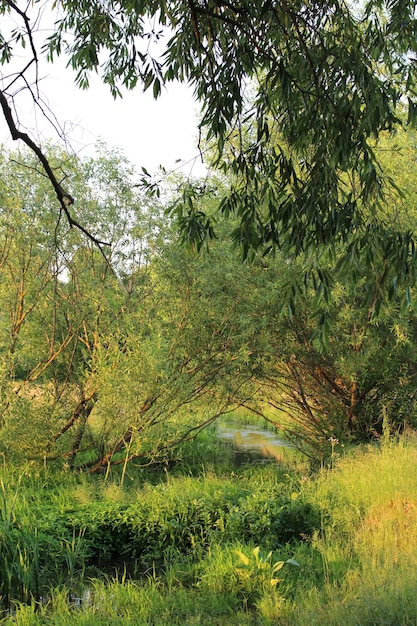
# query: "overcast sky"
151,133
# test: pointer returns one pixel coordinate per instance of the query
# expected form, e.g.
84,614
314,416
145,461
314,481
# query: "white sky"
150,132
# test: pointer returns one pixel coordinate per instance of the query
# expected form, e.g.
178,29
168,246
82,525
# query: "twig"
65,199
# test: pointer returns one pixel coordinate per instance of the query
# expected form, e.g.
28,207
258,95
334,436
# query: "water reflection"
253,443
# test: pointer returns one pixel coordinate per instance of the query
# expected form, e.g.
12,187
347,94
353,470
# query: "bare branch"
25,18
65,199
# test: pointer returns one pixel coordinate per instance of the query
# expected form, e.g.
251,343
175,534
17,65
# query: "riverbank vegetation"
119,503
129,326
108,360
259,544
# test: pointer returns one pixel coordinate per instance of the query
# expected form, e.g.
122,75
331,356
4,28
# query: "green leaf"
277,566
243,558
156,88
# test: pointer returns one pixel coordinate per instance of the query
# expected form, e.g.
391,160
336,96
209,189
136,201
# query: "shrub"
272,519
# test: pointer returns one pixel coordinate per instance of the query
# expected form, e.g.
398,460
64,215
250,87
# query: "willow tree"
101,364
324,77
61,302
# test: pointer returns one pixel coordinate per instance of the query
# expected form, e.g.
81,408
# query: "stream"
253,443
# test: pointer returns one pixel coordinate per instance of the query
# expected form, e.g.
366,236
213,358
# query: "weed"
260,566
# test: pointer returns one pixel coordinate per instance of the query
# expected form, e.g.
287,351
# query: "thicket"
108,361
56,530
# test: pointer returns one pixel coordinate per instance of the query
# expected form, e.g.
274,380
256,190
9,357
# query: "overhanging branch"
64,198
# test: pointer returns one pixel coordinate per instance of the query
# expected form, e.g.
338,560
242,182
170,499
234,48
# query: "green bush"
64,534
272,519
186,514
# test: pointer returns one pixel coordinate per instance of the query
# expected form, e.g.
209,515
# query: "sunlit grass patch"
368,541
389,533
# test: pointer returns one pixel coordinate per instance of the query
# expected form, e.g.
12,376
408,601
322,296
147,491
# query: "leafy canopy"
294,94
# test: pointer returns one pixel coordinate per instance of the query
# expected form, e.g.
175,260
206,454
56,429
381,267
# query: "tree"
60,298
105,364
315,83
348,391
102,365
343,382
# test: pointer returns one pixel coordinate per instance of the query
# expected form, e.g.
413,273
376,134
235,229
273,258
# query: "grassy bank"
257,545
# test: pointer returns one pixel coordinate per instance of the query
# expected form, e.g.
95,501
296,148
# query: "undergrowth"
257,546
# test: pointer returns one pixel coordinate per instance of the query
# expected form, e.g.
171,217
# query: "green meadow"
206,542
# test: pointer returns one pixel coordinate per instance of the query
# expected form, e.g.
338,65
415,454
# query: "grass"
369,539
216,539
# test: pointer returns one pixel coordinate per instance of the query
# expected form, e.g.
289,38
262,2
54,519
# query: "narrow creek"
252,443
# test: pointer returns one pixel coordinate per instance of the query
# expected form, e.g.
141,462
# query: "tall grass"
354,535
368,547
19,554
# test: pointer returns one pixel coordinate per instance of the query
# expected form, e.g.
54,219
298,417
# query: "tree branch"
65,199
25,18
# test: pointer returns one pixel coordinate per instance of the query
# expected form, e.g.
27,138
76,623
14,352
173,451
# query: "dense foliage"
294,96
115,362
105,363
